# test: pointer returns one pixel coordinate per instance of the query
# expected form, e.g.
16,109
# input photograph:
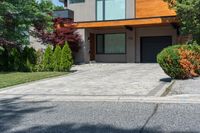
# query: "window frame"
125,42
76,2
104,12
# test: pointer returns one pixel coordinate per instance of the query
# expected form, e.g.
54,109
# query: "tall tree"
18,16
188,12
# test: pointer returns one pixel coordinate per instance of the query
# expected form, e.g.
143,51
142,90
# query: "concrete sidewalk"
189,88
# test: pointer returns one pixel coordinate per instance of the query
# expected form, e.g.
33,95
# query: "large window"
110,9
76,1
111,43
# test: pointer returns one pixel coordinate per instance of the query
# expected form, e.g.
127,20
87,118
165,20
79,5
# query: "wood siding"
152,8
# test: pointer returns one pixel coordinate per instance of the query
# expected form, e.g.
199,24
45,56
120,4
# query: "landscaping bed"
14,78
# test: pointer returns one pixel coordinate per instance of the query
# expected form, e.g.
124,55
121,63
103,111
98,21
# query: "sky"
56,2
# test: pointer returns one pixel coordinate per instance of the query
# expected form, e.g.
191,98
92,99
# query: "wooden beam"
132,22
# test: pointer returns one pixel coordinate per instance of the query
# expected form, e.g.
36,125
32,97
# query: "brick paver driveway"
98,80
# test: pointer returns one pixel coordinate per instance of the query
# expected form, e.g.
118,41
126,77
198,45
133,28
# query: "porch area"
125,44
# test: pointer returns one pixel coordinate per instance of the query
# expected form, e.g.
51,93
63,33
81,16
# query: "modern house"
123,31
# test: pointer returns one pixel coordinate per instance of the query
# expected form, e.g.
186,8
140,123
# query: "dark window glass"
76,1
100,44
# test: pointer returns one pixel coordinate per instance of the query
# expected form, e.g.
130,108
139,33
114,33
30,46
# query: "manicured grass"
14,78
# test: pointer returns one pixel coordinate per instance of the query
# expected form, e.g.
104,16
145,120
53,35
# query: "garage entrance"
151,46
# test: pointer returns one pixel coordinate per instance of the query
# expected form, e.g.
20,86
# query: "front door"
92,47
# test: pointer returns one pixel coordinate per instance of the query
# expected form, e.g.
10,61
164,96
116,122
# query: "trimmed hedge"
180,61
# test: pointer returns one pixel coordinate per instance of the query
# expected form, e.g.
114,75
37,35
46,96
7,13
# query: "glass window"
99,10
114,9
111,44
100,44
111,9
114,43
76,1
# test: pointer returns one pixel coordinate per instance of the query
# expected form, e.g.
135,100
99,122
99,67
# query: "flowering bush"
181,61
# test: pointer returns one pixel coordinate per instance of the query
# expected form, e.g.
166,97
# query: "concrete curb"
165,89
125,99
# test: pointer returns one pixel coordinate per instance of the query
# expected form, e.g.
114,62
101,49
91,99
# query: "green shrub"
66,58
39,55
57,58
180,61
39,67
14,60
29,59
4,57
1,50
47,59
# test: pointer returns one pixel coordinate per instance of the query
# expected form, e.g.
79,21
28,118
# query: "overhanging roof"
129,22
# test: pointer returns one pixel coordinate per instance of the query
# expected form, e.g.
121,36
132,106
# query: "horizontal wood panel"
152,8
133,22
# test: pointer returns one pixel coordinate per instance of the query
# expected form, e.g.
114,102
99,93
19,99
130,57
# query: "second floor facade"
105,10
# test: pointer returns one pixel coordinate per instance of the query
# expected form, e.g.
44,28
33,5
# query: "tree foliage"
188,12
62,34
18,16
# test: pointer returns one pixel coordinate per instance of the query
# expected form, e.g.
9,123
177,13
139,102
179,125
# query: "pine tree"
66,58
57,58
47,59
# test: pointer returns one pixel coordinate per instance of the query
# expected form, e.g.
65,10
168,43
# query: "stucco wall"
84,11
36,44
82,56
130,9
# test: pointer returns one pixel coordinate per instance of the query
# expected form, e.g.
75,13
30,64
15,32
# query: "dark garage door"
151,46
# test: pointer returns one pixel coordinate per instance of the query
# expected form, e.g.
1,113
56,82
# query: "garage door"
151,46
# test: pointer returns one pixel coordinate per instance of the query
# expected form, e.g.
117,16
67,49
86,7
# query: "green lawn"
14,78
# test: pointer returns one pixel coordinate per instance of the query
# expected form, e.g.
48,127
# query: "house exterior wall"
132,42
113,58
83,54
147,18
130,9
84,11
134,9
36,44
87,11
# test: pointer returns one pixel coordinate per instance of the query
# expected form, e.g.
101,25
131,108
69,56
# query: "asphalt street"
97,117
